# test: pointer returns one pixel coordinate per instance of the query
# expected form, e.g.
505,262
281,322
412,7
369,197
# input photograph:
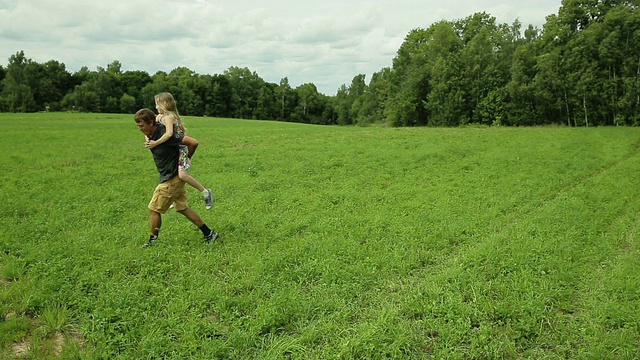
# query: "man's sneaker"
152,238
207,196
212,236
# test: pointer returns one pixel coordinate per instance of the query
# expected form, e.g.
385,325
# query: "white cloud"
326,43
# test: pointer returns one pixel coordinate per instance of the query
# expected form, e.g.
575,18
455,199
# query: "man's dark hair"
145,115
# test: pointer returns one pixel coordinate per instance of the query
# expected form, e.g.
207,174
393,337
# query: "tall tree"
3,73
246,87
522,104
342,105
181,83
409,82
158,84
310,104
267,108
132,83
56,81
356,90
17,94
219,101
82,99
480,73
445,103
373,98
286,100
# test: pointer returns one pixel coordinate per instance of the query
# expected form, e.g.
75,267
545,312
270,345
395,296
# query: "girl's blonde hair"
167,103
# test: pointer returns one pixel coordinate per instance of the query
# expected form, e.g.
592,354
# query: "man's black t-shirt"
166,155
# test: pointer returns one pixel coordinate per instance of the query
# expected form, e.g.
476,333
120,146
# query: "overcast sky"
325,42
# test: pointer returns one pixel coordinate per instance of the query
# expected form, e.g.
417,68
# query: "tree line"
28,86
582,68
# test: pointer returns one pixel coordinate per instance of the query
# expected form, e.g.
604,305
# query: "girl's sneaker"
207,196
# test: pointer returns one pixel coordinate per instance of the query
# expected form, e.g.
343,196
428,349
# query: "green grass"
336,242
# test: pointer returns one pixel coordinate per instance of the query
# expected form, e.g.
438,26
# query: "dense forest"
581,69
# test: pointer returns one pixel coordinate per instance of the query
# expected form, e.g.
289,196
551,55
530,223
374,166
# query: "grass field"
336,242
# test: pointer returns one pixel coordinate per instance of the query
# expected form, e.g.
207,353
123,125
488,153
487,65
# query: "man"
170,189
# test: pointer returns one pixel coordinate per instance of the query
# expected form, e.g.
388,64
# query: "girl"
169,117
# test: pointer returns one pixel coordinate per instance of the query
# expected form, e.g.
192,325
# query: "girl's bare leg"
186,177
191,143
207,196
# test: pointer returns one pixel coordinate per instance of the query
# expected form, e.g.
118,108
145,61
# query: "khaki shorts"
167,193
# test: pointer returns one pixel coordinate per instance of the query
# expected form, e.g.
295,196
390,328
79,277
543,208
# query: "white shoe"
207,196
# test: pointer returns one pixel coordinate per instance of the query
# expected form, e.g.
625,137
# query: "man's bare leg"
197,221
155,222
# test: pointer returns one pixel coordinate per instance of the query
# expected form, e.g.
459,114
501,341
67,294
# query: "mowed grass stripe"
520,289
